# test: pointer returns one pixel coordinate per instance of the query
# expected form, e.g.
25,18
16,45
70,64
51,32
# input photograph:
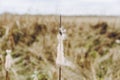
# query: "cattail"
60,48
8,61
61,60
34,76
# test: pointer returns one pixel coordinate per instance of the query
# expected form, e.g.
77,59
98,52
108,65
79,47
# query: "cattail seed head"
8,51
60,48
61,60
8,60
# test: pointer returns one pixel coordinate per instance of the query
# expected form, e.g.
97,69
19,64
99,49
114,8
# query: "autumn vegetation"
92,45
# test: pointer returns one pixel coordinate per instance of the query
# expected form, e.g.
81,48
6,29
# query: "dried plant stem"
60,21
7,75
60,72
60,65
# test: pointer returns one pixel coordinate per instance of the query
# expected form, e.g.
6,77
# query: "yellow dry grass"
91,46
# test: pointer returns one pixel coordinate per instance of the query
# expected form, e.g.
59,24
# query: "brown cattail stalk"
7,75
60,21
60,66
60,72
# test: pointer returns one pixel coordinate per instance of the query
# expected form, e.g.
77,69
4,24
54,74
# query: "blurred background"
29,28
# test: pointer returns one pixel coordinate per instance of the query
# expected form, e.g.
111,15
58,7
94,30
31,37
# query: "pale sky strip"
66,7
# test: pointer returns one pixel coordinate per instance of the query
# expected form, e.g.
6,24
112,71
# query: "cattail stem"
60,72
60,21
60,65
7,75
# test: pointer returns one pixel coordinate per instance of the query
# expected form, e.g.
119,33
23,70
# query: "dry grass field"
92,45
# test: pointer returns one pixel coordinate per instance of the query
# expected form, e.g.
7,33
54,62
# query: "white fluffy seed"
60,49
8,60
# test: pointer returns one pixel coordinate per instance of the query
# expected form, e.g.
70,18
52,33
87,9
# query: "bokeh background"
29,28
92,46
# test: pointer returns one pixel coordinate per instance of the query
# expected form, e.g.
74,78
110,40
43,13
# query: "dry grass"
90,46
